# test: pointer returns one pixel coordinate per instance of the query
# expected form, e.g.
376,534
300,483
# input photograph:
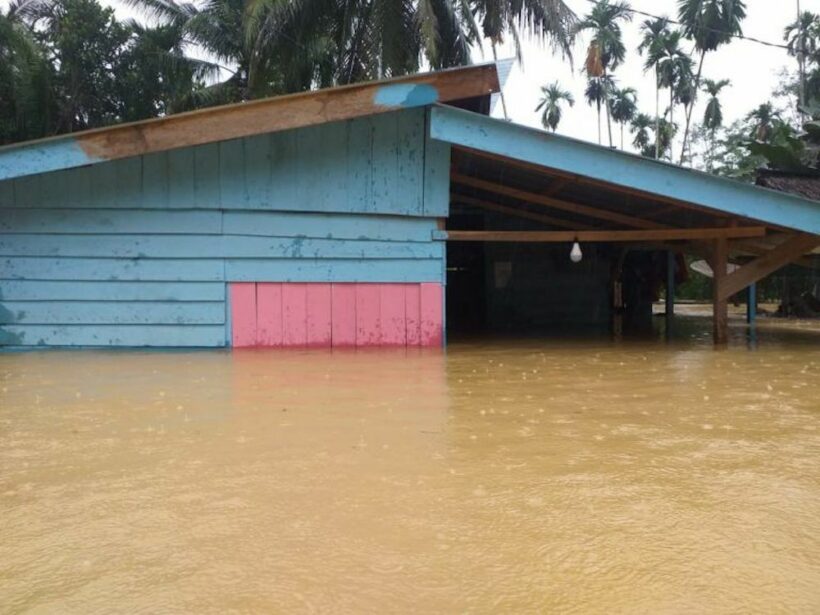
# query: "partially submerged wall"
141,251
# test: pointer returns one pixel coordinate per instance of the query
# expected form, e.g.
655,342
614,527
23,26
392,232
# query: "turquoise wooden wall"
138,252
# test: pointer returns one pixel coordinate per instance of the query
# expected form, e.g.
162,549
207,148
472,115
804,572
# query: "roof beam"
629,172
519,213
547,201
759,268
604,236
245,119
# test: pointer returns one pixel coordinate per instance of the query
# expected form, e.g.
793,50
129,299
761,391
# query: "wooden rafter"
782,255
607,236
579,179
553,203
519,213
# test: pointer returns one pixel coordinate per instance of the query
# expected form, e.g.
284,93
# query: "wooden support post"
670,285
751,303
720,305
670,292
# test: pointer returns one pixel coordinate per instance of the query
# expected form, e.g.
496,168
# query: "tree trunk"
671,123
692,106
608,119
500,89
657,116
599,124
622,136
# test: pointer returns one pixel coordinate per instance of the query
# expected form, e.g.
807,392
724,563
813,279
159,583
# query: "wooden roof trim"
246,119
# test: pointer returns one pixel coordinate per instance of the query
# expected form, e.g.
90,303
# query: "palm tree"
624,108
674,68
606,50
553,96
764,117
26,98
640,127
802,38
265,47
546,19
711,24
654,33
713,117
598,92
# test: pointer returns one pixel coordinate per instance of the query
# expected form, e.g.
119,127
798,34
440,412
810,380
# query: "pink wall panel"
294,314
432,315
318,315
268,314
412,310
243,314
368,315
325,315
343,306
391,315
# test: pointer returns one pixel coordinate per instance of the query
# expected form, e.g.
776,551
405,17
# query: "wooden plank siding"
139,251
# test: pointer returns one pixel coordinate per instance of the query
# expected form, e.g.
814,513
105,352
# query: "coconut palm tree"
598,92
654,33
550,106
268,46
624,108
640,127
606,49
713,117
550,20
710,24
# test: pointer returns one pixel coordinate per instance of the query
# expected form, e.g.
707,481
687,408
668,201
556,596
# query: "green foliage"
67,65
711,23
550,105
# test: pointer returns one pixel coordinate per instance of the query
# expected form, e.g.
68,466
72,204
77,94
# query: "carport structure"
561,190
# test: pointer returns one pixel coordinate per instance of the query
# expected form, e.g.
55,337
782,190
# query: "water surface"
499,477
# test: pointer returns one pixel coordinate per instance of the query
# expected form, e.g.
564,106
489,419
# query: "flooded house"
377,214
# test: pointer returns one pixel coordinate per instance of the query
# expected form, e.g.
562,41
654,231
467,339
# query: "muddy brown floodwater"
531,476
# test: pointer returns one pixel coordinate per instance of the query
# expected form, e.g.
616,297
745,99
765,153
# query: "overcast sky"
753,68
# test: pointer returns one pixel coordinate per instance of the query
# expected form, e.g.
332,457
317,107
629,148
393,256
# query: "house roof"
246,119
802,184
521,165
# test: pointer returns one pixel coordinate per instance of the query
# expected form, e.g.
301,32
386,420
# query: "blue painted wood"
72,290
197,247
369,165
480,132
330,226
284,270
109,221
155,181
113,335
206,176
42,156
751,304
436,178
183,270
406,95
138,251
111,313
180,179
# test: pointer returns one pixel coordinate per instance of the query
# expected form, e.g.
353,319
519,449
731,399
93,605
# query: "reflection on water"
526,476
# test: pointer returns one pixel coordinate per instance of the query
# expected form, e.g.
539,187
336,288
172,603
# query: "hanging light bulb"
575,254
